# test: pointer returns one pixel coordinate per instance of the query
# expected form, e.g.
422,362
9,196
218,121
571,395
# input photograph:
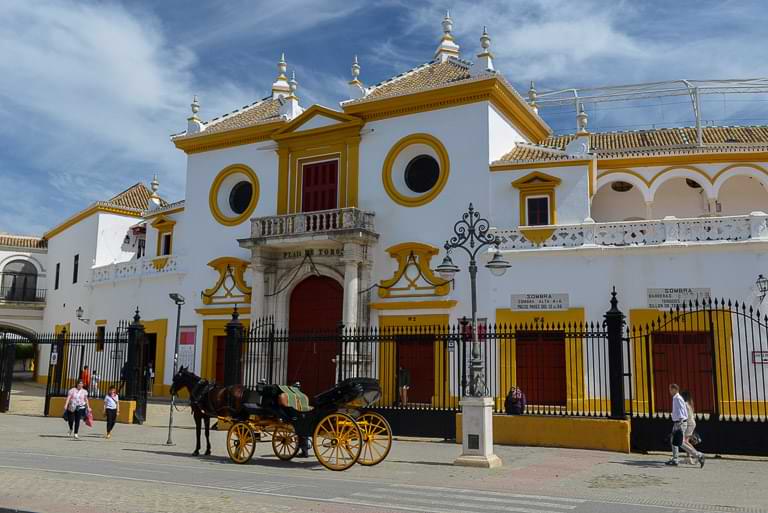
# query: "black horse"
207,400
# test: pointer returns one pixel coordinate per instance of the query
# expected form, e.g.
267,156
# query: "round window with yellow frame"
234,194
415,170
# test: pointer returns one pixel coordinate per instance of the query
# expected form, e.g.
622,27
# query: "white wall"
502,135
676,198
112,230
741,195
609,205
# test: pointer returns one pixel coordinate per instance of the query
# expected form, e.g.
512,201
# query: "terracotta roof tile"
135,197
648,142
267,109
23,241
425,76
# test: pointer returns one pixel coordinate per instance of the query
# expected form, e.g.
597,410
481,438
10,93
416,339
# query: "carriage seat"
297,399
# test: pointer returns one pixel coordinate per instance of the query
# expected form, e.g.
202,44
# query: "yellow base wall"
127,408
567,432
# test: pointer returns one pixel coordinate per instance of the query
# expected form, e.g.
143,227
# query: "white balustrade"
142,268
312,223
667,231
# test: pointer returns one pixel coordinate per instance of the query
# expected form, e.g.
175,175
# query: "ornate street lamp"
471,235
179,300
762,286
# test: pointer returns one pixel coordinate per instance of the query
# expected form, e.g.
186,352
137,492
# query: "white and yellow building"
296,211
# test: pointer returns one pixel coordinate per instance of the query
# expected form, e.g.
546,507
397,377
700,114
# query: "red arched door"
316,308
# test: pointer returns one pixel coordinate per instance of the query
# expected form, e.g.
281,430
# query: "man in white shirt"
679,425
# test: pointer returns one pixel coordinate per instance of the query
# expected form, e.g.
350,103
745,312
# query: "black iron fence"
23,294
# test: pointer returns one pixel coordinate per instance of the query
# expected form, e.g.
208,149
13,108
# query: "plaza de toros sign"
670,298
537,302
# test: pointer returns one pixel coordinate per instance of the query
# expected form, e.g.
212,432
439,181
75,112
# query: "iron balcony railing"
670,230
16,294
312,223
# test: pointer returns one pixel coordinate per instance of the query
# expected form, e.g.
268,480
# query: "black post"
614,323
233,351
271,353
133,366
7,361
340,352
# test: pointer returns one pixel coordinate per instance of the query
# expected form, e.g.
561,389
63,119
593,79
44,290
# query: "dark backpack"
515,402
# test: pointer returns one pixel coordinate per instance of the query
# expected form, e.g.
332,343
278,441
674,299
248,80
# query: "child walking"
111,409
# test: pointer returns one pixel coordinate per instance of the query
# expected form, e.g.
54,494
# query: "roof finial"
154,200
289,105
532,96
194,125
280,86
356,87
355,69
293,85
484,62
155,184
448,46
581,121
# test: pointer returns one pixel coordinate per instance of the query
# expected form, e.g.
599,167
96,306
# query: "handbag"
89,418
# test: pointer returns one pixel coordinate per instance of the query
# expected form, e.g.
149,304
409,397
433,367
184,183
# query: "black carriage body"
350,396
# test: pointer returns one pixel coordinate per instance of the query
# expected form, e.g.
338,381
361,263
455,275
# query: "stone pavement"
135,472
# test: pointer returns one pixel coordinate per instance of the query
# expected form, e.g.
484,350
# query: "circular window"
422,173
240,196
621,186
415,170
234,195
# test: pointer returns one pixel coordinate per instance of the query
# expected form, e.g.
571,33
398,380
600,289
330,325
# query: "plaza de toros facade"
297,212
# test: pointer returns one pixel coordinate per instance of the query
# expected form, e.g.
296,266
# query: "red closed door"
540,364
315,308
684,358
319,186
416,355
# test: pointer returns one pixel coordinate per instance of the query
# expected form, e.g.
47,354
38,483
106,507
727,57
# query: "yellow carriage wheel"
285,443
337,441
241,442
377,438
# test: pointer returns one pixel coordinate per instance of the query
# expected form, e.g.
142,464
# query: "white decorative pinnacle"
485,40
447,46
155,185
484,62
293,85
195,106
280,86
282,66
154,200
532,96
355,69
581,120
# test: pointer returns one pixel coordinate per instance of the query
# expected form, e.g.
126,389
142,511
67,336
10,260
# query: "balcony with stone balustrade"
302,227
142,268
670,231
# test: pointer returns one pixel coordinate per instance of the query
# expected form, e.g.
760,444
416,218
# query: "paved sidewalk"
136,472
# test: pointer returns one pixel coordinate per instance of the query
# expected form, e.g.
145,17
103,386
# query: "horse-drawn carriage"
342,431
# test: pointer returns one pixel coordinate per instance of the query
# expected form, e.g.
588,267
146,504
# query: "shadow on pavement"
432,463
641,463
309,463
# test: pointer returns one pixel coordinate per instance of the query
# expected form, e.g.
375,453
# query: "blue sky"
90,91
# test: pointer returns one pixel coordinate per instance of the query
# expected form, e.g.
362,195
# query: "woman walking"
690,427
76,407
111,409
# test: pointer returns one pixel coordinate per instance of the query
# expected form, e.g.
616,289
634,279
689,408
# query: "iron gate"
7,360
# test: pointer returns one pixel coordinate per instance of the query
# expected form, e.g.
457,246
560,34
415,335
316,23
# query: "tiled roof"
426,76
648,142
164,208
135,197
23,241
261,111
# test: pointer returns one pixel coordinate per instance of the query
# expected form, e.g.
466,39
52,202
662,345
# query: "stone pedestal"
477,433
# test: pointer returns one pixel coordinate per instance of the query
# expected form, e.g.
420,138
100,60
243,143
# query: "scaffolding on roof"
694,89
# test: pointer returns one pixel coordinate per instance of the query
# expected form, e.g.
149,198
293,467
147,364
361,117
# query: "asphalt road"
39,467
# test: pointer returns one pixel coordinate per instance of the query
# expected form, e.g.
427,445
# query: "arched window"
19,281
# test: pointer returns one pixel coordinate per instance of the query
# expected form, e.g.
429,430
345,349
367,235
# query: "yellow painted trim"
592,178
415,305
214,192
303,158
574,352
218,140
100,322
515,166
353,171
666,160
555,431
537,184
246,310
388,352
159,328
93,209
629,172
283,170
492,90
163,225
537,235
389,161
652,318
213,328
423,254
238,266
160,263
733,166
294,125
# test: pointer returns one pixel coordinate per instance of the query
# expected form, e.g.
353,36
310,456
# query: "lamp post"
471,235
762,286
179,300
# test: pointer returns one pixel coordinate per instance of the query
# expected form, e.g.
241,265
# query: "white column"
649,210
351,283
257,285
477,433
